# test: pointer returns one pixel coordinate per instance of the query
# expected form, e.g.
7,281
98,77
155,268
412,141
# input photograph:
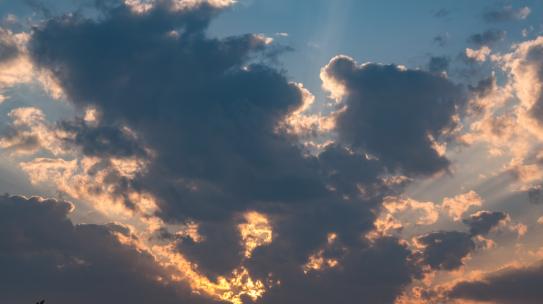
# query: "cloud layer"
227,181
393,113
44,255
207,116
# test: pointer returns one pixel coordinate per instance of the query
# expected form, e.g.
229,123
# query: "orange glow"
255,232
317,261
230,289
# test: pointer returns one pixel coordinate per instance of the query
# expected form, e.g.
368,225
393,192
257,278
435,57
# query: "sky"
271,151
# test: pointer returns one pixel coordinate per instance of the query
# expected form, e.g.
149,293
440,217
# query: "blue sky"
400,32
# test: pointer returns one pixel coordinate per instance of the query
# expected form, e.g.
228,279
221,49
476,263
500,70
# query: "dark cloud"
488,37
44,255
509,286
208,113
393,112
209,109
438,64
219,236
506,13
375,274
482,222
345,170
446,249
108,141
20,136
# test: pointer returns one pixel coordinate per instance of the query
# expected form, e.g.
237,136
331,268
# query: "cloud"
185,135
386,260
506,13
8,46
44,255
445,249
438,64
216,138
508,286
393,113
103,140
525,65
205,115
506,116
479,54
29,132
15,67
484,87
480,223
456,206
488,37
400,213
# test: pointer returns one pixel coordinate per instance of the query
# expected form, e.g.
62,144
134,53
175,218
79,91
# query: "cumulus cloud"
506,113
205,115
103,140
386,260
213,143
448,250
198,142
393,113
445,249
182,129
44,255
480,223
507,117
507,286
